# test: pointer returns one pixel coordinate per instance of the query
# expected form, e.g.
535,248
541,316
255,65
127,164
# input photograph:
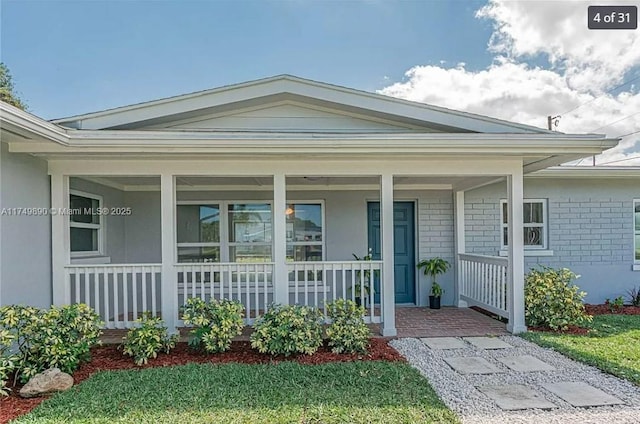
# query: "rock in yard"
51,380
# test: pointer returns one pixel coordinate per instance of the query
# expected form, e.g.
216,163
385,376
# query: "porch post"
458,204
515,287
169,281
280,275
388,284
60,243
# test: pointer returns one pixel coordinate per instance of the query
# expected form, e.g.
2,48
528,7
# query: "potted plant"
432,268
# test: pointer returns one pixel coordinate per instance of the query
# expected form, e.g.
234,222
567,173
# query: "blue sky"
519,61
72,57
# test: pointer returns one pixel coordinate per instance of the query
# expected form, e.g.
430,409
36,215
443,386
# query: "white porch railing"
118,293
483,282
249,283
319,283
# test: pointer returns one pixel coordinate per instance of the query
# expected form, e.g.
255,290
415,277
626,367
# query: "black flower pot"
362,301
434,302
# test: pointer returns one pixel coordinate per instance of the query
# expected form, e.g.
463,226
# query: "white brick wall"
482,224
435,219
596,231
435,238
590,229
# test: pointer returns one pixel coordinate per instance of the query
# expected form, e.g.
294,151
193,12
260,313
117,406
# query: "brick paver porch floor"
448,321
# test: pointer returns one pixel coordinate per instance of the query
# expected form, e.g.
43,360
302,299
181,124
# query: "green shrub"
216,323
347,332
552,300
59,337
616,305
147,339
284,330
7,359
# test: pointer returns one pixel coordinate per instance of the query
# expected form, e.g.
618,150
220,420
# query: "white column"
386,243
60,243
515,288
169,286
458,205
279,234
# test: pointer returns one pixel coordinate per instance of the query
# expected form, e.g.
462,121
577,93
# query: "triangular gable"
321,107
289,116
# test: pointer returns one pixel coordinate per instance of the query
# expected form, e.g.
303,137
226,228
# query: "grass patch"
356,392
613,345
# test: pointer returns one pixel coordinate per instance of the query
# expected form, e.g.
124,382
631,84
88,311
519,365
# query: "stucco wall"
143,238
590,229
25,255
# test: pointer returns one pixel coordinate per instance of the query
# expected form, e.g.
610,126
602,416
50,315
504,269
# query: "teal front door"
404,270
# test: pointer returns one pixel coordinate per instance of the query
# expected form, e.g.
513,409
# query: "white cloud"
591,60
584,64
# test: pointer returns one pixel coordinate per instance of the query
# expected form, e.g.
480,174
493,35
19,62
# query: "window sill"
541,252
91,260
636,267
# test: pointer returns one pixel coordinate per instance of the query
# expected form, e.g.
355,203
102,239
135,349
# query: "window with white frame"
249,232
534,222
241,231
85,224
636,225
305,239
198,233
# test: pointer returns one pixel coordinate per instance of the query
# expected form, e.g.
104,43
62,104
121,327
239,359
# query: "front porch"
449,321
411,321
264,258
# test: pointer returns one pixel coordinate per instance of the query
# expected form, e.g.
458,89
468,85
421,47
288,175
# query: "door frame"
416,236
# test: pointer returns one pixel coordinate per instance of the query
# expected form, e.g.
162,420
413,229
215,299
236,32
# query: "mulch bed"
104,358
607,310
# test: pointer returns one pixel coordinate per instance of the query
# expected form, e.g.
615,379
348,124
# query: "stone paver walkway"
508,379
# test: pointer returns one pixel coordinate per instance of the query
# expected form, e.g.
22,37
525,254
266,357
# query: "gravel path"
460,394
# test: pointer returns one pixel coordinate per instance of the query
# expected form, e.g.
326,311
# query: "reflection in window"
198,233
249,232
85,224
534,214
304,232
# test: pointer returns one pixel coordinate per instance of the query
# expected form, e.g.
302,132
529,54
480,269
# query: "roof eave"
80,141
588,172
12,118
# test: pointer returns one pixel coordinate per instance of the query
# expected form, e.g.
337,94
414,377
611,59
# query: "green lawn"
357,392
613,345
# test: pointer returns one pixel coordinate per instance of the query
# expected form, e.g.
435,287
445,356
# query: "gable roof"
288,88
26,133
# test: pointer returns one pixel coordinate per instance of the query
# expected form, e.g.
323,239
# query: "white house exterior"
263,191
